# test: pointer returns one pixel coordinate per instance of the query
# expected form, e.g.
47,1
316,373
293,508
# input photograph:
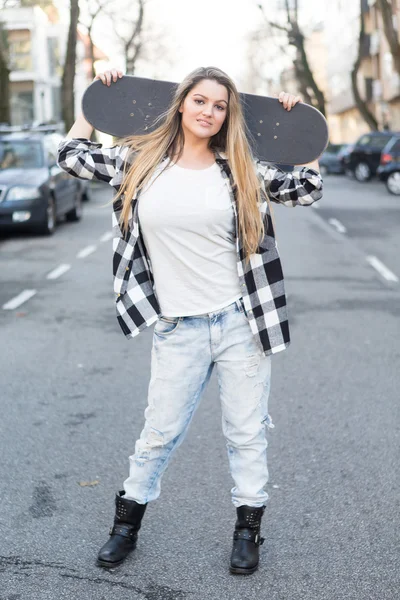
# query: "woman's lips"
203,123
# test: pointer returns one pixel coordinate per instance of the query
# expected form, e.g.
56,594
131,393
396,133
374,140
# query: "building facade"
378,82
37,43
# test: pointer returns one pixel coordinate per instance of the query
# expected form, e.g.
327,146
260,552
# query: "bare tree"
94,9
68,76
5,115
360,103
391,31
295,37
141,43
130,36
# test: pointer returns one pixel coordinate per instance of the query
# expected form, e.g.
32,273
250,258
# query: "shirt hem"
202,312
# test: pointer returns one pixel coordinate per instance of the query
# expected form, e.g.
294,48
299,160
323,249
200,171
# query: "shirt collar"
220,156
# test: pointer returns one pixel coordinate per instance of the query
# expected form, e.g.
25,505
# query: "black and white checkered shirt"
261,280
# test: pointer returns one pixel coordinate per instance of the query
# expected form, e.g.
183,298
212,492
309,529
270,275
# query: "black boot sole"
241,571
109,565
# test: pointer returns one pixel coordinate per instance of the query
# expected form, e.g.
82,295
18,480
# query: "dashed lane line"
382,269
58,271
18,300
338,225
333,232
106,237
54,274
86,251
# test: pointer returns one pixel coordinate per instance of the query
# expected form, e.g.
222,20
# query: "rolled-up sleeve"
302,186
85,159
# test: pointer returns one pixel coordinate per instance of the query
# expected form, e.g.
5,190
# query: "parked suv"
364,158
34,191
389,169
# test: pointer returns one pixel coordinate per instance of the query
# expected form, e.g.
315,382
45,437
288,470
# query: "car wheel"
48,225
76,213
393,183
323,170
362,172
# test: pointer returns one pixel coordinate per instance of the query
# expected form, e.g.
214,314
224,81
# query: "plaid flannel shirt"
261,280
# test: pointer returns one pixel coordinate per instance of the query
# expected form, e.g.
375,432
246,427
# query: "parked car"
34,192
329,161
363,160
389,168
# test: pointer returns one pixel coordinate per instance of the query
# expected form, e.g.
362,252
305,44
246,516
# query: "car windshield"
333,148
377,141
20,154
395,146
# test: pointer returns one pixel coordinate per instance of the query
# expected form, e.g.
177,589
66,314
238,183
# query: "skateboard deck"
131,105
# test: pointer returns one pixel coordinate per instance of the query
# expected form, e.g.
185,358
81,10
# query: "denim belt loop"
240,305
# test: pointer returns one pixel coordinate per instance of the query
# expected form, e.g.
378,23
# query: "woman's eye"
218,106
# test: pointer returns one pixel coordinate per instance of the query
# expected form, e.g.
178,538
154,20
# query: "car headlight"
23,192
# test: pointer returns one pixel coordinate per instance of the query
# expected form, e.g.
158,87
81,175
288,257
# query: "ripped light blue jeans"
184,352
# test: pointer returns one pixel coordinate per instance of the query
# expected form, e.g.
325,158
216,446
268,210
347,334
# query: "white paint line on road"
338,225
315,205
382,269
18,300
86,251
60,270
106,237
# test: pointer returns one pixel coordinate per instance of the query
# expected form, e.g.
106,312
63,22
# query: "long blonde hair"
168,138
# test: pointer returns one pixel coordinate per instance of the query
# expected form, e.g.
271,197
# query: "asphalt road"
73,393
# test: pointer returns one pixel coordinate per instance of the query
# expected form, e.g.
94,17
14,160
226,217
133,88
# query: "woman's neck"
195,158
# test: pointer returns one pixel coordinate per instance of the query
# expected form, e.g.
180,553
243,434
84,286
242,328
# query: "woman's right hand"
107,76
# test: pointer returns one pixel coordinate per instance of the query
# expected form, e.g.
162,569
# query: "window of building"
20,47
22,108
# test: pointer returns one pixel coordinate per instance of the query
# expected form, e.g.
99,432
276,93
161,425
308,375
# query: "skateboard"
131,106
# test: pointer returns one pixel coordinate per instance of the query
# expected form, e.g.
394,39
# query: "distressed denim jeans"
184,352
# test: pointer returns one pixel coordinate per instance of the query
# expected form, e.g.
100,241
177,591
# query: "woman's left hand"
288,100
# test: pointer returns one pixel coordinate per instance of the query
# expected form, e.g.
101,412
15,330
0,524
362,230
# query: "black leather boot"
124,533
246,539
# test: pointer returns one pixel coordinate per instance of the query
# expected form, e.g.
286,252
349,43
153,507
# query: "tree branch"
361,104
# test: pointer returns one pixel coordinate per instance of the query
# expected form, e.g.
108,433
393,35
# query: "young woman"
197,256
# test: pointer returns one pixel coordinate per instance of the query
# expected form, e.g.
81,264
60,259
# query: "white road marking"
18,300
382,269
315,205
106,237
338,225
60,270
86,251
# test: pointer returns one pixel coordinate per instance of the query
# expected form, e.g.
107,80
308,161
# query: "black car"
364,158
34,191
389,169
329,161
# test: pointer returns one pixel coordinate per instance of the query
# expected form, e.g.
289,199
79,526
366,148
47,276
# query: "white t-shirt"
187,224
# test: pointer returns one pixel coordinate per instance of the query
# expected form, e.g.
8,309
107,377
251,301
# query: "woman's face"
204,109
